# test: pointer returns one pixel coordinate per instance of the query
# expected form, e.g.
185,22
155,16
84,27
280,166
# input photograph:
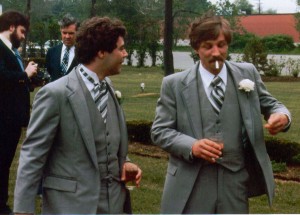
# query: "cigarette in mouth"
217,64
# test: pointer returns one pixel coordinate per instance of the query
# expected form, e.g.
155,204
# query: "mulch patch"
148,150
280,79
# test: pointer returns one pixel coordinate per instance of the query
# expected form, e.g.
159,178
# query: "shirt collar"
65,47
207,77
6,41
92,74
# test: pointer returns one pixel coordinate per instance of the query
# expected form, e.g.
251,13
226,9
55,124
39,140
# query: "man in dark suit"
14,94
209,119
60,59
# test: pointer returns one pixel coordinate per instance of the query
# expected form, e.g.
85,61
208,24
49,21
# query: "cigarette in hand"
217,64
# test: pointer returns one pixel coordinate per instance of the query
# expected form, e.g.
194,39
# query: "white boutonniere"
119,96
246,85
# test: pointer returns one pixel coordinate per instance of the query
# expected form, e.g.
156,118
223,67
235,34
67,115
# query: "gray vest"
227,125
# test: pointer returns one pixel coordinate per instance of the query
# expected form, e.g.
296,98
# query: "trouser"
218,190
9,138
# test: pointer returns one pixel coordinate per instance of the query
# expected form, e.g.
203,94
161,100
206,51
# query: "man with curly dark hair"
77,135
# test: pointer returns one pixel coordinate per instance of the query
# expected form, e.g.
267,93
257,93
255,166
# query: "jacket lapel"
81,112
192,103
244,100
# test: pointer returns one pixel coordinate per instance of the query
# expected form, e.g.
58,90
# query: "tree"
244,6
168,38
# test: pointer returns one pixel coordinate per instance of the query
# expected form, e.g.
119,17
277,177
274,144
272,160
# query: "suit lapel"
190,88
244,100
81,112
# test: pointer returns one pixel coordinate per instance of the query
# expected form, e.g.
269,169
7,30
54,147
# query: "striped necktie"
65,61
217,94
100,94
18,56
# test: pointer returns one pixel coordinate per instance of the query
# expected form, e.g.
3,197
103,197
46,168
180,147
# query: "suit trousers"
9,138
218,190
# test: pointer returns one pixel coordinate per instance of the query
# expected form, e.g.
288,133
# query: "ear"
101,54
12,28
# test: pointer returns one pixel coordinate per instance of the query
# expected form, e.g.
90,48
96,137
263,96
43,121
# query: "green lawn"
140,105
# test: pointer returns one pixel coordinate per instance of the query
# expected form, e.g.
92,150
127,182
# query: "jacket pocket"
58,183
172,169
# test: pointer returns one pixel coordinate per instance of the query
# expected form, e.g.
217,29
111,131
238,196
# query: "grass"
140,105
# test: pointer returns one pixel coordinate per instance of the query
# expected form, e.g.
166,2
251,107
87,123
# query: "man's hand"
131,172
276,123
31,69
207,149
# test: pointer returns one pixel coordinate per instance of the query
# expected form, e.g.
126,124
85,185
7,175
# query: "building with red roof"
270,24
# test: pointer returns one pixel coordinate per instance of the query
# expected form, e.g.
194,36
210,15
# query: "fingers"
207,149
276,123
131,172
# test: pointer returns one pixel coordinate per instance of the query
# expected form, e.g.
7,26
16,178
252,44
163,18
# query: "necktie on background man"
17,54
217,94
65,61
100,94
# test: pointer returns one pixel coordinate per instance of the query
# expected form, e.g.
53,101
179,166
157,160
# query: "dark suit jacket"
14,89
53,62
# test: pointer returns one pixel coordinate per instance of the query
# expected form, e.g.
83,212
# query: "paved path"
183,60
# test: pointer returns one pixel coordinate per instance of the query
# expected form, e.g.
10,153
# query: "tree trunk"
168,38
27,13
93,9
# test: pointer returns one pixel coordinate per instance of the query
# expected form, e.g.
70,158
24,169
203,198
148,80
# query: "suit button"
218,121
107,133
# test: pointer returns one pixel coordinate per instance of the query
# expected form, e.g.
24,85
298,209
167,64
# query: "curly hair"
13,18
208,27
97,34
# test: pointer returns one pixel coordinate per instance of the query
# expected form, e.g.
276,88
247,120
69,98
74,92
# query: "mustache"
216,59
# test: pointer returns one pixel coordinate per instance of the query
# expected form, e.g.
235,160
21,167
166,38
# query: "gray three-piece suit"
184,115
68,145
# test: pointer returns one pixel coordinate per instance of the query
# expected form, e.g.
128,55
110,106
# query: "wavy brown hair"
208,27
97,34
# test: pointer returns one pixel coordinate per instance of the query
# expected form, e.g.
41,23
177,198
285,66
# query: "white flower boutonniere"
246,85
119,96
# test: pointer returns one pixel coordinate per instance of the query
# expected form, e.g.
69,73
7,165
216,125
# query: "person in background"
209,119
61,59
77,137
14,94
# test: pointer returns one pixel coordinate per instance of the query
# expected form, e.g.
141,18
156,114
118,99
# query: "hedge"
279,150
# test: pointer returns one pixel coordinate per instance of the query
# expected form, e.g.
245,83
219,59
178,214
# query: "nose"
215,51
125,54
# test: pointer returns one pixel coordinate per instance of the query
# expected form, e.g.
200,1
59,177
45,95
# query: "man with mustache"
209,119
77,139
14,94
61,59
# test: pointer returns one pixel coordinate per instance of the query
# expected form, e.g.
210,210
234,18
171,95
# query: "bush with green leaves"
278,43
256,53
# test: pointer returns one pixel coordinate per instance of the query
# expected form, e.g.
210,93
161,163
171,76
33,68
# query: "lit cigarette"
217,64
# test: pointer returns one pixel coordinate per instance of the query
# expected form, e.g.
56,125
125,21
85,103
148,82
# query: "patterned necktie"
65,61
217,94
17,54
100,94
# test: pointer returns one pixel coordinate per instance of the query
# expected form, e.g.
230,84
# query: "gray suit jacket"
178,125
60,147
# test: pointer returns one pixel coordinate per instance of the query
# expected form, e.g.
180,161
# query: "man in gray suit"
214,132
79,151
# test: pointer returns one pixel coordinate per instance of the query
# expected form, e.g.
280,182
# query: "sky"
281,6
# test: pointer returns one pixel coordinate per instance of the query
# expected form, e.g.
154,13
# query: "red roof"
269,24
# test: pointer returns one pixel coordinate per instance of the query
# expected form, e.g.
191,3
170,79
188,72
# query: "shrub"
281,150
278,43
139,131
278,167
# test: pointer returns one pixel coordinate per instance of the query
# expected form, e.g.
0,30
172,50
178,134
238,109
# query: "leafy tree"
243,6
